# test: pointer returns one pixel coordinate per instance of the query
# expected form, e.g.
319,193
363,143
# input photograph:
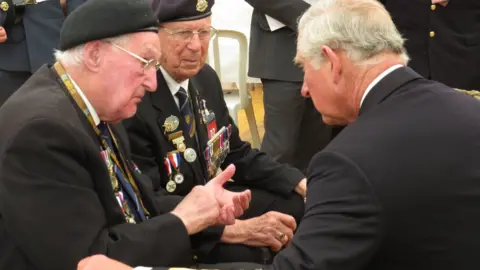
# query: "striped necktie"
186,110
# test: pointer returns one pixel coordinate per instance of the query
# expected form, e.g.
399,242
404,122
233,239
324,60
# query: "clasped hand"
212,204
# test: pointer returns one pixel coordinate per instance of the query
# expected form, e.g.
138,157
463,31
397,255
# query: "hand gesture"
272,229
236,201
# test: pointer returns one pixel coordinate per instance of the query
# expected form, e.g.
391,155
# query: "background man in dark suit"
397,188
182,134
442,39
67,185
294,131
30,43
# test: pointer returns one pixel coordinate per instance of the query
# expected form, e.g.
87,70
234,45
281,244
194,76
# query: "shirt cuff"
142,268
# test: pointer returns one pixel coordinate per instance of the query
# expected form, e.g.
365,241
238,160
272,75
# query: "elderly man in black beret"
67,186
182,135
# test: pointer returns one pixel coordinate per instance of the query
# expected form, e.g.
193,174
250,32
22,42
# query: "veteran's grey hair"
361,28
74,56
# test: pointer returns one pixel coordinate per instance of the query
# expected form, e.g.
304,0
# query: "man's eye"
184,33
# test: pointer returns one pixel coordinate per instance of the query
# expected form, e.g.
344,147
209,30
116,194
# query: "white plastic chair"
239,98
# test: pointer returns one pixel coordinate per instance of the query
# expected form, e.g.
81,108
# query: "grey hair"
361,28
74,56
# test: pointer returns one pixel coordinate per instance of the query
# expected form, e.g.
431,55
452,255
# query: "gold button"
433,7
432,34
195,257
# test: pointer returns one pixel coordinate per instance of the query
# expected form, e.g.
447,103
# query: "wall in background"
231,15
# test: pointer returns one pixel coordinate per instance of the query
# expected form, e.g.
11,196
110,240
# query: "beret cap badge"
202,5
4,6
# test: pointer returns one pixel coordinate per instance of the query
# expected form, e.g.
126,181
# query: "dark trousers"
262,202
10,81
294,130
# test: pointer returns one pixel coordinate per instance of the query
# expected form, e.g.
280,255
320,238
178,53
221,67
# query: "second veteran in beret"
68,188
182,135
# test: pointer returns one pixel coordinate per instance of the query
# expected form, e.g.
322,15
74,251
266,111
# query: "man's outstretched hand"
211,204
236,202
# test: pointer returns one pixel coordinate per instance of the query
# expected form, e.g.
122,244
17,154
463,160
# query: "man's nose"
305,92
195,44
151,80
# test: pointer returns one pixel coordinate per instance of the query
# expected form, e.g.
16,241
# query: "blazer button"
195,257
433,7
432,34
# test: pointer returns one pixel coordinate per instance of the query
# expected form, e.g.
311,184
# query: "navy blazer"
31,43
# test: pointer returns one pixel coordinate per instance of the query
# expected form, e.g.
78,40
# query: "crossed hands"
212,204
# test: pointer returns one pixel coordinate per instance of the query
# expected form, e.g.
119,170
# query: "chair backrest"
242,61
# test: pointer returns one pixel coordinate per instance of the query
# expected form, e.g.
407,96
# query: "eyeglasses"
148,64
186,35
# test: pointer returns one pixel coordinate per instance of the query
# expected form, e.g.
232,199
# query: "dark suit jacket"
56,201
452,56
150,145
271,54
30,44
397,189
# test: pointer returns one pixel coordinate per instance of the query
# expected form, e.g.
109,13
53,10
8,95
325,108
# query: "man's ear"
92,55
334,63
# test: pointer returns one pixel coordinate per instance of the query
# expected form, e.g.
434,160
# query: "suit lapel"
144,187
165,106
202,135
387,86
80,113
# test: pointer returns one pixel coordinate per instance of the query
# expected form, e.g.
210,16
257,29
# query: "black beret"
99,19
182,10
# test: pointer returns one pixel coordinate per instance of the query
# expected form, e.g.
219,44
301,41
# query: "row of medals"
189,154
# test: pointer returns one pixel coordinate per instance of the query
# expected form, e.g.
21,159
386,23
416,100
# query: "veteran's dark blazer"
452,54
150,145
57,204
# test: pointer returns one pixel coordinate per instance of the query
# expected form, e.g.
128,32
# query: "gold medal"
179,142
171,186
171,123
4,6
181,147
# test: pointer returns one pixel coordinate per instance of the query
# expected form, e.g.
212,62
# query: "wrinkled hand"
272,229
238,201
199,210
211,204
101,262
3,35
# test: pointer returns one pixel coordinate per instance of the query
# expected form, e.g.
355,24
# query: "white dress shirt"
90,108
173,85
374,82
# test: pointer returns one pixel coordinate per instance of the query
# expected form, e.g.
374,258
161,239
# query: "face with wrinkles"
184,53
127,71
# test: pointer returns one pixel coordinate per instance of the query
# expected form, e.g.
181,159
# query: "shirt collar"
90,108
374,82
173,85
